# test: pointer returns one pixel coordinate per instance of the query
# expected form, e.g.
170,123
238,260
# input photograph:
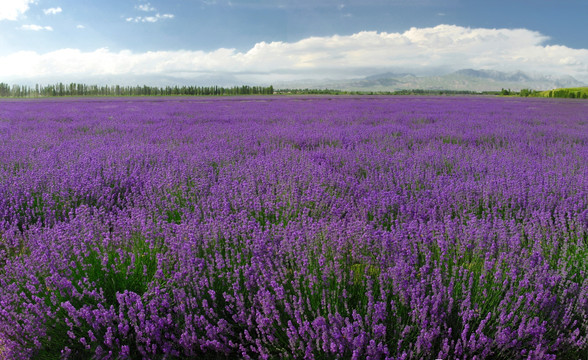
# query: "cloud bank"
446,47
12,9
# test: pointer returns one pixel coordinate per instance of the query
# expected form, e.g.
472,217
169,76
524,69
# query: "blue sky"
263,40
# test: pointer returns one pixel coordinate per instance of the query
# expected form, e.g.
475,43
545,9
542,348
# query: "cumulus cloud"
32,27
12,9
52,11
446,47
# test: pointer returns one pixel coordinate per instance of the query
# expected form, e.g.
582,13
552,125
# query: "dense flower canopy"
295,227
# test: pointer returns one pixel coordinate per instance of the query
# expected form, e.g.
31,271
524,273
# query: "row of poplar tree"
74,89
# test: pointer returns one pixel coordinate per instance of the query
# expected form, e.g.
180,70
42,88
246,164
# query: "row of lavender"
316,228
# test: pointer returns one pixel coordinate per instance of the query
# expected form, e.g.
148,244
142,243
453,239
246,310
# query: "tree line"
76,89
569,93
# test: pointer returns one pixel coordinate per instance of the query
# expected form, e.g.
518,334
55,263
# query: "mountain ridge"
463,79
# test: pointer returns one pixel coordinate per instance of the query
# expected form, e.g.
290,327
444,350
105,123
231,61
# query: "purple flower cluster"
294,228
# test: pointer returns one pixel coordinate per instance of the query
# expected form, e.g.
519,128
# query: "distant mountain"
494,75
465,79
388,75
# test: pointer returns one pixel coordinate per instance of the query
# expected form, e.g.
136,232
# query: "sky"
264,41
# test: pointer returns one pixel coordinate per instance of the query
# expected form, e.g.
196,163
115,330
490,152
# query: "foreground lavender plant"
311,228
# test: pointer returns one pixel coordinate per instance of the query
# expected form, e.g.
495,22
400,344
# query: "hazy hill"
465,79
225,80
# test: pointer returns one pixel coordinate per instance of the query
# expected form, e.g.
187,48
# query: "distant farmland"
577,93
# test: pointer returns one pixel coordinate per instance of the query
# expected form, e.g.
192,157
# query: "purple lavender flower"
294,227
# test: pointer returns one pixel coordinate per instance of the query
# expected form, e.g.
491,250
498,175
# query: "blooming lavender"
294,228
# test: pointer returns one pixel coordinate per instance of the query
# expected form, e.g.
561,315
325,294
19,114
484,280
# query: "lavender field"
294,228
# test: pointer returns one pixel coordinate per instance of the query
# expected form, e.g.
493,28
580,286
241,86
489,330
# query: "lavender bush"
294,228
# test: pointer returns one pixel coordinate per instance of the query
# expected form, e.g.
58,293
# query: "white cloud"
36,27
145,7
80,26
150,19
52,11
322,4
12,9
445,47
